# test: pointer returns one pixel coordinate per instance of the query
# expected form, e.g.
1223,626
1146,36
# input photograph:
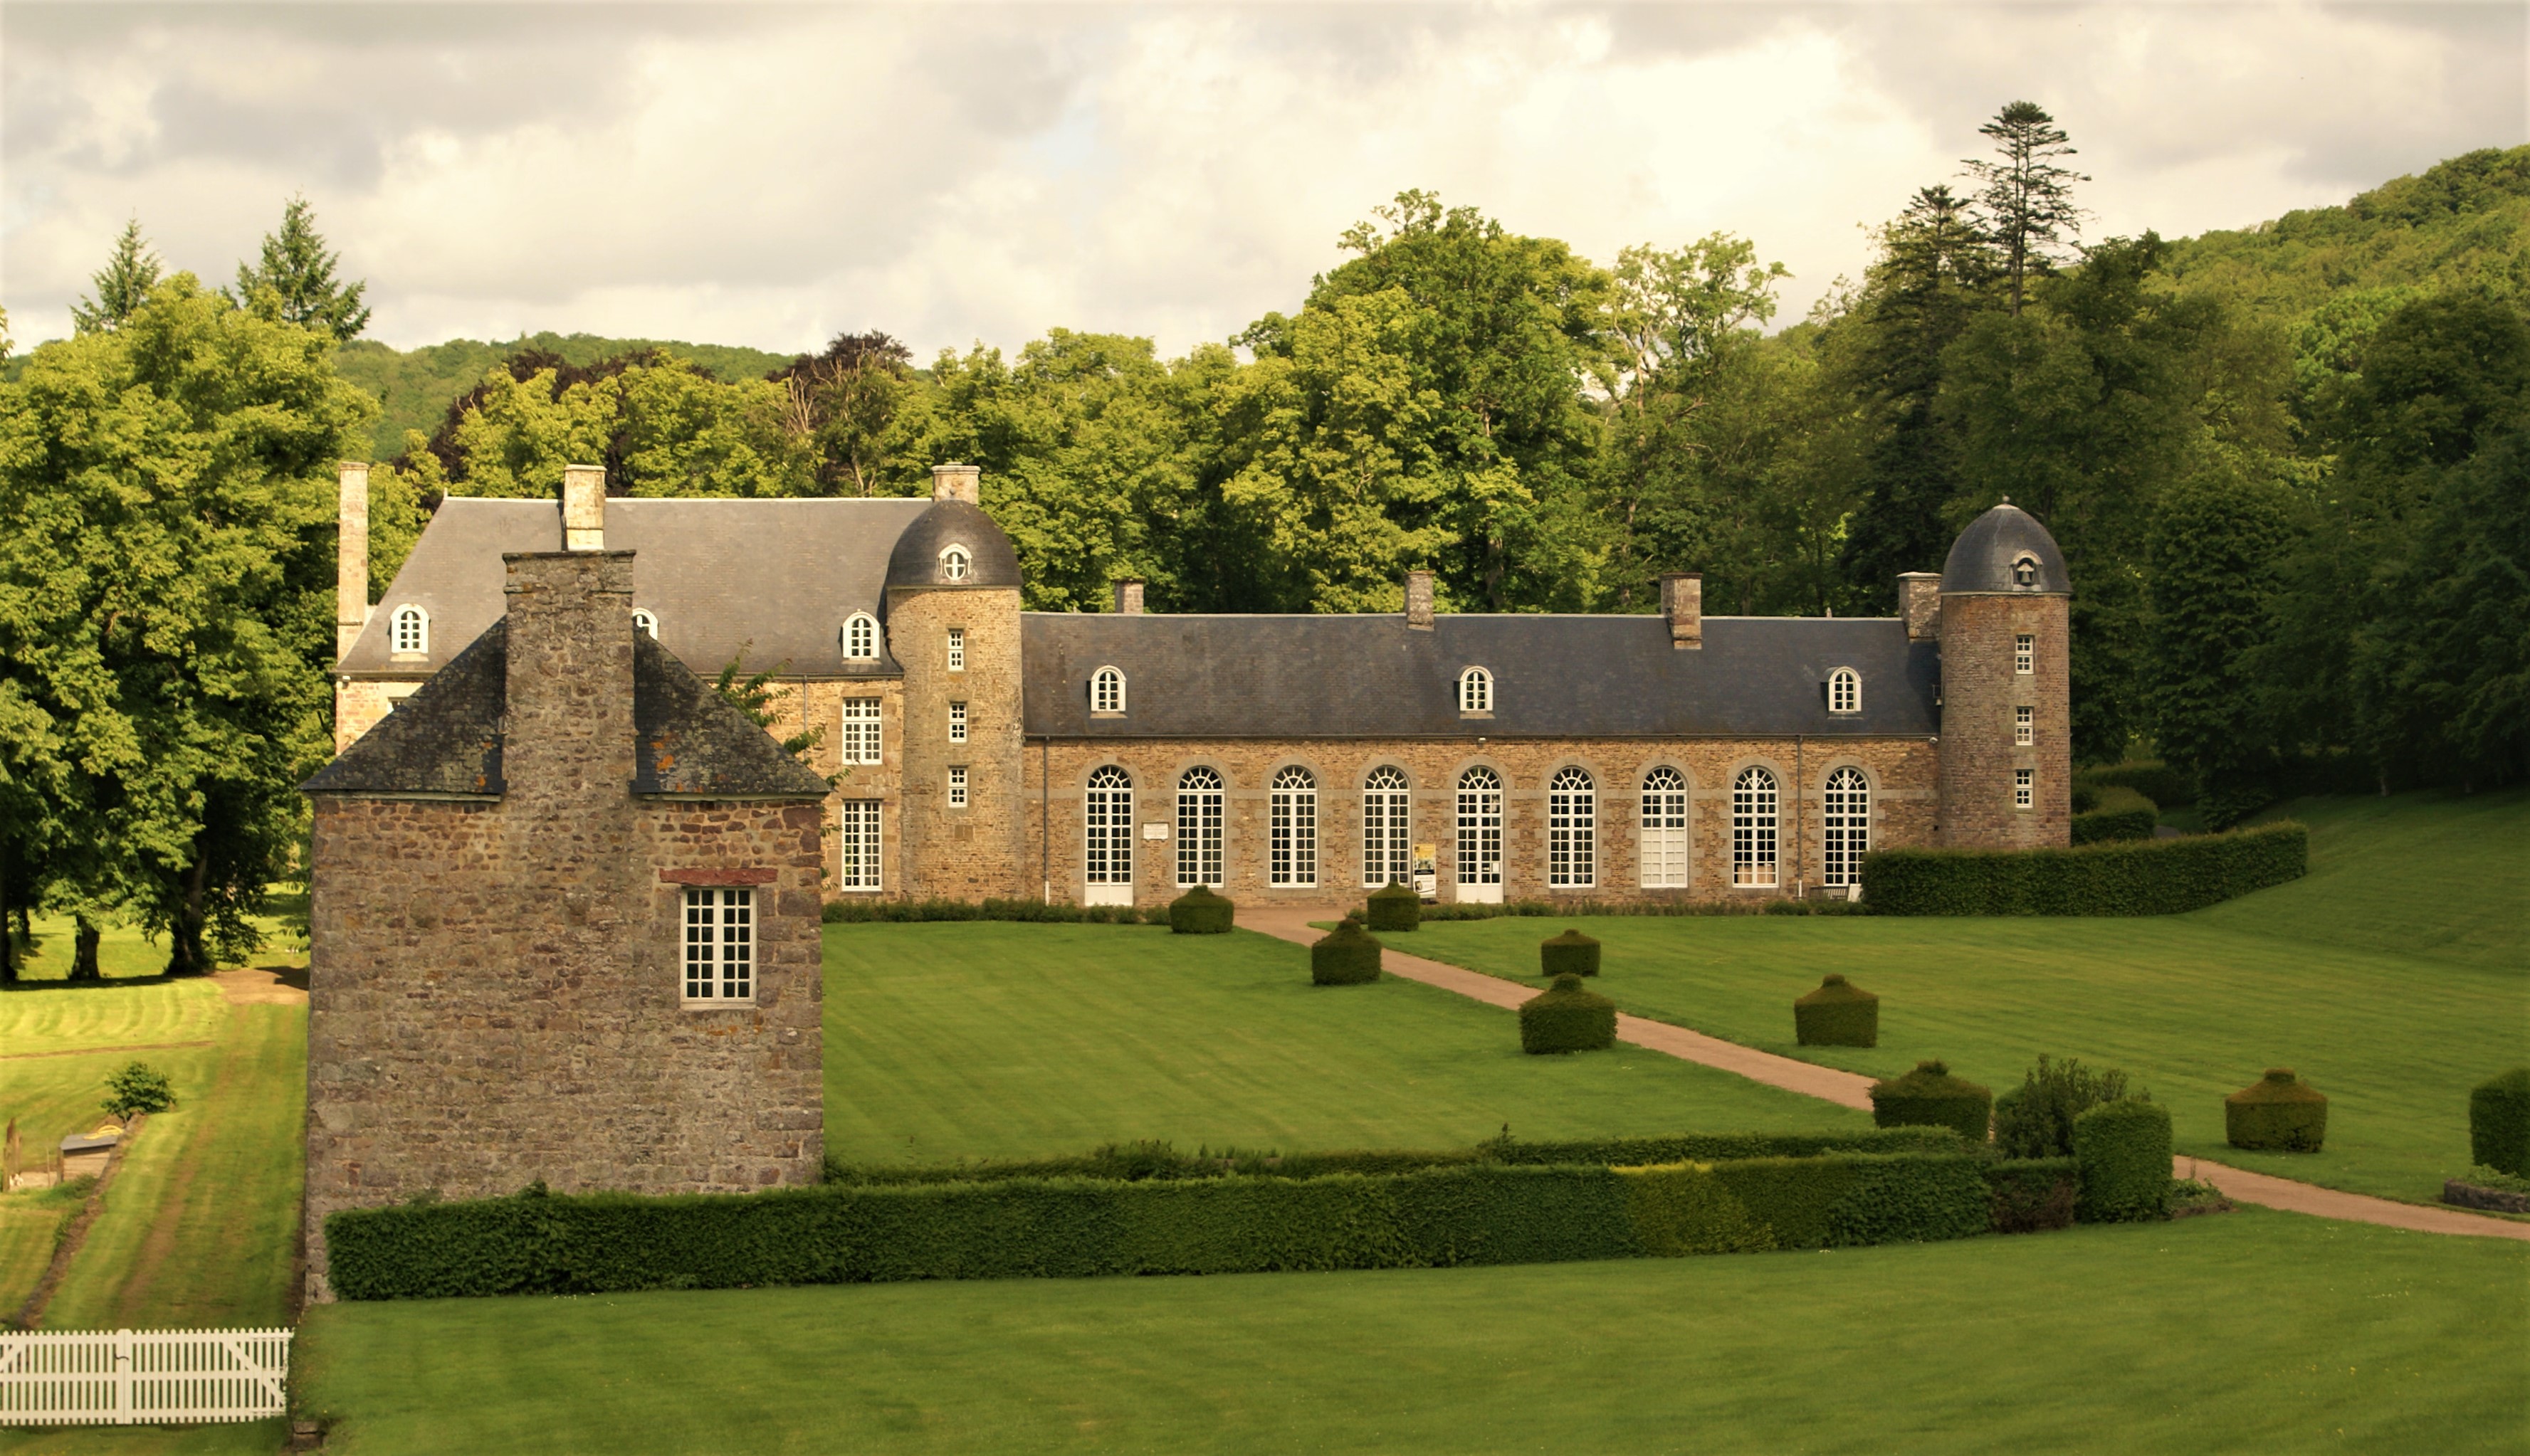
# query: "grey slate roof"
915,562
686,740
1981,559
1554,677
718,573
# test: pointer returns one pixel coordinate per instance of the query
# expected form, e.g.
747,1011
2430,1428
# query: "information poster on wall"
1427,872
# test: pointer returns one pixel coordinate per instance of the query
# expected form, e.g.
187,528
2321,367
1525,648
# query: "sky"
774,173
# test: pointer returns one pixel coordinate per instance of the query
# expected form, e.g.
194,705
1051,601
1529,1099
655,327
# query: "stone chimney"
1682,603
1128,596
569,735
584,507
1418,601
1919,601
956,482
350,557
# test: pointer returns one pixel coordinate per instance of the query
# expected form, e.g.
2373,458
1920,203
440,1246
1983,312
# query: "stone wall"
975,851
1980,691
359,704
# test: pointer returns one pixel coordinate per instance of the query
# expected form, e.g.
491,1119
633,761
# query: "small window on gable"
1844,691
646,623
954,562
861,638
1107,691
408,631
2024,571
1475,691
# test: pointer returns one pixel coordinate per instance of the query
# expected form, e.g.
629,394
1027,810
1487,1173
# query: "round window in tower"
955,563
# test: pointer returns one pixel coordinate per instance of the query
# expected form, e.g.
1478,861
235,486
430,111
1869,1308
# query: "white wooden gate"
142,1376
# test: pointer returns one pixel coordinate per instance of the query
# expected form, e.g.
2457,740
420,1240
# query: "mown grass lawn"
2394,978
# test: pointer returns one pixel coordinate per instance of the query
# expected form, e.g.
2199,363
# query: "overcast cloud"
771,174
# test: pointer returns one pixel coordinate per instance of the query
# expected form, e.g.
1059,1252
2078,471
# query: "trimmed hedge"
1200,912
1930,1097
2117,814
2151,778
1658,910
1392,906
1346,956
898,912
2148,877
1564,1018
2276,1114
1838,1013
1571,953
2031,1194
2121,1149
2498,1123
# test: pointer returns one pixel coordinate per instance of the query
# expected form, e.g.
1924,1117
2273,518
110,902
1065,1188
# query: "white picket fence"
142,1376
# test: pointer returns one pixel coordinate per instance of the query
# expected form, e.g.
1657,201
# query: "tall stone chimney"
1682,603
584,507
1919,601
956,482
350,557
1418,601
568,737
1128,596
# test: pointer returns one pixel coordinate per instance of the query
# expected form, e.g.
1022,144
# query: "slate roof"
1981,559
915,562
1554,677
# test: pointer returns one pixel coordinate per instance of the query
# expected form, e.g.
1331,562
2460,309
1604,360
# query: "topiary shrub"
2498,1123
1200,912
1571,953
1348,956
1930,1097
2121,1151
1567,1018
1395,907
1838,1013
2275,1115
2035,1119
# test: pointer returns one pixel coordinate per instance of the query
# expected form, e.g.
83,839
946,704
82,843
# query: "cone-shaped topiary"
1395,908
1200,912
2276,1114
2122,1155
1930,1097
1838,1013
1571,953
1348,956
1564,1018
2498,1123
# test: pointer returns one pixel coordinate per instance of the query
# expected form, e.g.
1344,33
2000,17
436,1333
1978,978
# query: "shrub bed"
1571,953
2499,1122
1394,908
2117,813
1930,1097
1200,912
2277,1113
2035,1119
1564,1017
2031,1194
1346,955
2122,1152
1838,1013
2148,877
898,912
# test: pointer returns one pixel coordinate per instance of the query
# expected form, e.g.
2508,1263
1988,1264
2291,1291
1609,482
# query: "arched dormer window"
860,638
1475,691
409,631
646,623
2025,571
1107,691
955,563
1844,691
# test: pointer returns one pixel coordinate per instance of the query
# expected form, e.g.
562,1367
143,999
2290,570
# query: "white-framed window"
1846,823
1107,691
646,623
957,785
1475,691
957,723
409,629
2024,571
2024,788
955,563
1199,815
1387,827
1752,828
1480,826
957,648
1572,830
860,638
1844,691
856,840
720,946
2024,727
1107,820
2024,654
1294,823
861,730
1664,829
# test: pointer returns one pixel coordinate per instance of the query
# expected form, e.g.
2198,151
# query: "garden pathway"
1852,1090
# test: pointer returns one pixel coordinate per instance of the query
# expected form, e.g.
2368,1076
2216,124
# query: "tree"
2025,202
2216,541
123,285
846,401
294,280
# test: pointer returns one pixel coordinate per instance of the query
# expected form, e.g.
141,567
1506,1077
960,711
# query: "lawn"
1003,1041
2394,978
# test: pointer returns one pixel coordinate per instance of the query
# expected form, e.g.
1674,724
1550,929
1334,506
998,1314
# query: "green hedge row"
2151,877
2115,814
876,911
1564,909
2170,787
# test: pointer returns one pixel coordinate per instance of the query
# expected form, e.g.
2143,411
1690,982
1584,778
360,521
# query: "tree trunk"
185,956
83,965
8,940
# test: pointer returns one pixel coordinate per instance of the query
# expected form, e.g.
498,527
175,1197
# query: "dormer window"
2024,571
860,638
1475,691
1844,691
646,623
955,563
409,631
1107,691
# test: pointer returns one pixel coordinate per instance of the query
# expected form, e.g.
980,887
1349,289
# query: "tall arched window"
1479,865
1475,691
1107,691
1294,861
408,631
1387,827
1199,801
1844,691
1664,828
1846,822
954,562
1108,816
1752,828
1572,830
646,623
861,638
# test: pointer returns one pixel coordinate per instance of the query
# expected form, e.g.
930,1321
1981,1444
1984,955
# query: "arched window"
1199,802
1108,814
1844,691
953,564
1479,865
1752,828
1664,828
1475,691
860,638
408,631
2024,571
1572,830
1107,691
1387,827
1846,822
1294,861
646,621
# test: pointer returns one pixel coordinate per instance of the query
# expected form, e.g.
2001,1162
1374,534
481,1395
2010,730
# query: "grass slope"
2248,1331
1003,1041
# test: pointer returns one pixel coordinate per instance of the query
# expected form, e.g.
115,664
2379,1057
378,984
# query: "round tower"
2007,746
953,623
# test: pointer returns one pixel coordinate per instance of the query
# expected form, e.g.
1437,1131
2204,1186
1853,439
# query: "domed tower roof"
2006,550
922,555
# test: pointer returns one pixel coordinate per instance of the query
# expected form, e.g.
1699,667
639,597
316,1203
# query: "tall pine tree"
123,285
294,281
2025,202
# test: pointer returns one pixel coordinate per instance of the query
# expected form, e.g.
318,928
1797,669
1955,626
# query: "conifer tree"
297,273
123,285
2025,202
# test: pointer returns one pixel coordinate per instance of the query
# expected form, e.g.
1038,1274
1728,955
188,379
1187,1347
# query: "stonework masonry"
1982,689
940,849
